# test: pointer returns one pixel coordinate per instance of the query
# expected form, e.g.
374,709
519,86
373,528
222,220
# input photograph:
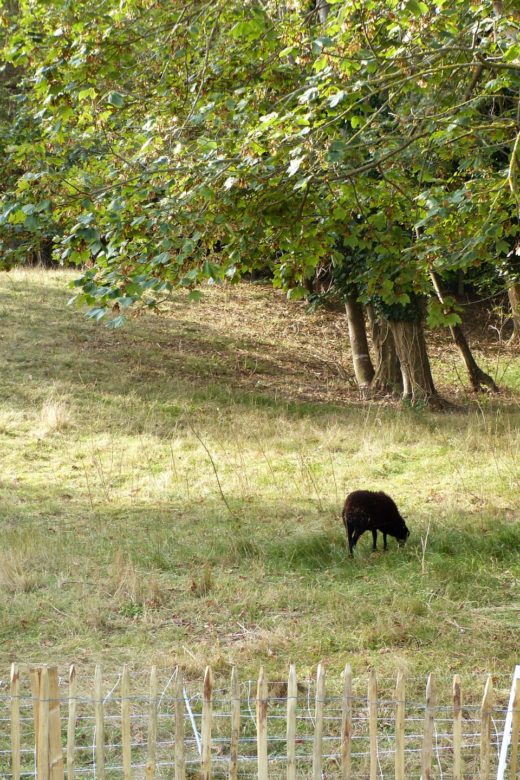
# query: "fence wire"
139,705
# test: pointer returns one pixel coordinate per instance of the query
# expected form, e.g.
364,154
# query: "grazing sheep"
366,510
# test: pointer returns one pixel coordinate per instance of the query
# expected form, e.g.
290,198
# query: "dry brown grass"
55,416
18,572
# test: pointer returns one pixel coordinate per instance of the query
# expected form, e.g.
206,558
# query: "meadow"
170,492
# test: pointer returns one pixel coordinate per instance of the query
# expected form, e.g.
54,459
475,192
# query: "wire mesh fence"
161,725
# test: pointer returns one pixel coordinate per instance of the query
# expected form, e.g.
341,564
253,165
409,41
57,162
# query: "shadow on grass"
166,361
173,363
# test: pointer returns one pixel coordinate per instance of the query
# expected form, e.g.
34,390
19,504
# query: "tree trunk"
478,378
322,8
513,293
387,377
363,368
410,345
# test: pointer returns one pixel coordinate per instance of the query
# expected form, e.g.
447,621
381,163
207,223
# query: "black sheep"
366,510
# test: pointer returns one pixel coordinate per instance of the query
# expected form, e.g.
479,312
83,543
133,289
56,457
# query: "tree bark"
322,8
411,350
387,377
513,293
363,368
478,378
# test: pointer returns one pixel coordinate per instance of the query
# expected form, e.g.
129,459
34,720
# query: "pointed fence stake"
56,767
261,725
429,722
346,723
126,736
71,724
317,758
511,729
180,753
207,718
400,707
15,722
515,728
43,726
99,718
235,725
372,722
292,695
485,729
457,728
152,727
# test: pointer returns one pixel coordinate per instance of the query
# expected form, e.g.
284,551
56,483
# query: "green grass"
171,492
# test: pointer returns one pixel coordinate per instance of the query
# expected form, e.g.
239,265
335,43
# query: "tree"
171,145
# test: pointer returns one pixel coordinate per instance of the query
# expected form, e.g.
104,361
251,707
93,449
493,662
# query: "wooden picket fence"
319,745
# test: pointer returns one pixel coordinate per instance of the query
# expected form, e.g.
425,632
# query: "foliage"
166,145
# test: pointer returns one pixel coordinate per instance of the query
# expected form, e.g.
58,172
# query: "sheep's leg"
385,546
350,540
353,540
374,539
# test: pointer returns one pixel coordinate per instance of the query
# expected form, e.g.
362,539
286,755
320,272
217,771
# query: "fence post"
35,677
235,724
126,738
317,758
47,726
71,724
292,694
457,728
485,729
152,726
515,728
429,717
372,722
99,719
261,725
43,726
15,722
56,768
346,723
207,717
510,734
399,726
180,755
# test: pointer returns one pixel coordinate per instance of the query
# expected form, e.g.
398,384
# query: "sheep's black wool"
366,510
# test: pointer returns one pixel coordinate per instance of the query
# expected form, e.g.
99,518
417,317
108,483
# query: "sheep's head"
401,532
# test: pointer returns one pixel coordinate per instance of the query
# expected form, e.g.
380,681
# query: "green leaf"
116,99
296,293
321,43
294,165
337,98
249,28
89,93
160,259
416,7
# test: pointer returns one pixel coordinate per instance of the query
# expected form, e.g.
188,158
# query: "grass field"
171,492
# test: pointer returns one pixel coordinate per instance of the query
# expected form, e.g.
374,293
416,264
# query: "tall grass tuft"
55,416
17,573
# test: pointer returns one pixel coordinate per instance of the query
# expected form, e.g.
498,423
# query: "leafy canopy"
174,144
